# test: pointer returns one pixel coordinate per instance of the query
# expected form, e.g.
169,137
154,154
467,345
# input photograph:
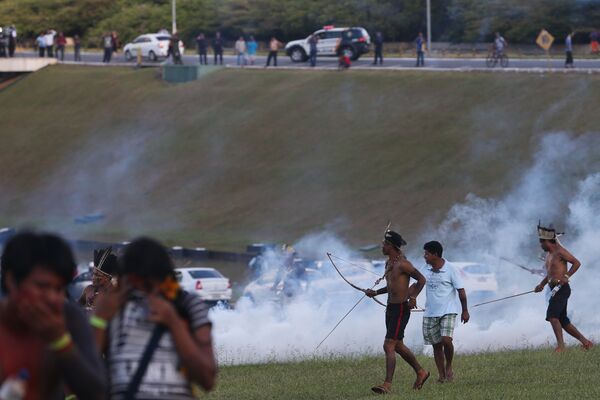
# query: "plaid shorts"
436,327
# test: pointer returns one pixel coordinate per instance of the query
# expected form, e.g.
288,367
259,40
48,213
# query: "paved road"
364,62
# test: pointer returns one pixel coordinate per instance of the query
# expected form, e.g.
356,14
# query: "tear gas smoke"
561,186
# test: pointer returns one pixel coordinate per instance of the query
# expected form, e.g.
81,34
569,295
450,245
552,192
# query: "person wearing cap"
446,298
401,299
557,278
105,266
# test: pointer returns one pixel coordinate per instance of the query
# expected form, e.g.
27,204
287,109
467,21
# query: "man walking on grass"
559,290
444,290
401,299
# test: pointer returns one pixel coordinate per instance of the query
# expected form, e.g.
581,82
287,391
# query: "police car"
354,42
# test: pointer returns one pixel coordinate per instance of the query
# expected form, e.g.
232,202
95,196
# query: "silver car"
208,283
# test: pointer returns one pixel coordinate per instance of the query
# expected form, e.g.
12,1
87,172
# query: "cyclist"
499,45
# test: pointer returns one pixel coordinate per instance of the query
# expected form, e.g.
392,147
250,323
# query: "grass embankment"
527,374
242,156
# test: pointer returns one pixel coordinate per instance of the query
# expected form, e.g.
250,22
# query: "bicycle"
494,58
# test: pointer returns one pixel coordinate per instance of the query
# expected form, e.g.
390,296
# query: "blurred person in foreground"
156,337
559,288
44,338
446,298
401,299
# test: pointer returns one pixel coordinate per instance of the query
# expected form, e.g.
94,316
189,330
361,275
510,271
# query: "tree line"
399,20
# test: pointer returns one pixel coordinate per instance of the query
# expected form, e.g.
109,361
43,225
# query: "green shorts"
436,327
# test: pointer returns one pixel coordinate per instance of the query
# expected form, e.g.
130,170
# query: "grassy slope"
249,155
527,374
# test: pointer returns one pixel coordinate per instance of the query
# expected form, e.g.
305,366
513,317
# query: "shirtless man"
557,279
401,299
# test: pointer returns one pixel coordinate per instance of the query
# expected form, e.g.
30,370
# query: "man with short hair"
559,288
150,328
378,42
401,299
313,42
419,45
41,333
444,290
49,38
217,45
240,50
569,51
201,45
274,46
499,45
107,44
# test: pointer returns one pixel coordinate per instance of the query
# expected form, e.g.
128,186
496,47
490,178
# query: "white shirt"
441,290
49,37
240,46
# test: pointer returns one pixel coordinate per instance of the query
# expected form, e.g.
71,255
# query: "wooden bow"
352,284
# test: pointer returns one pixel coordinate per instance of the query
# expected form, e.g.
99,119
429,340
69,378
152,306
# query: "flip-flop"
419,386
380,389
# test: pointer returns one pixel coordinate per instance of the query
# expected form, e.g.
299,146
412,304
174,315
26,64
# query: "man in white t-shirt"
446,298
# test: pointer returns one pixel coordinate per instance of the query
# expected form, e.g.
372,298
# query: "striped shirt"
129,333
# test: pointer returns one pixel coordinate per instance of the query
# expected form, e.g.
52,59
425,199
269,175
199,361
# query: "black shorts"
557,307
396,319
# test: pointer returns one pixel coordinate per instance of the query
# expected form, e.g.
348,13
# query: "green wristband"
61,343
98,322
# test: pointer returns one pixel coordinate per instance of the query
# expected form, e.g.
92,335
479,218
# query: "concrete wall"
24,64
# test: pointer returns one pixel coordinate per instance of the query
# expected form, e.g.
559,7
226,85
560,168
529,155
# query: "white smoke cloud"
562,186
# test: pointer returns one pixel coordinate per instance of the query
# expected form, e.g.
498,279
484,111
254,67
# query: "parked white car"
152,45
208,283
479,279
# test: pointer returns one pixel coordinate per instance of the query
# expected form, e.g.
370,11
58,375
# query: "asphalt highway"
362,63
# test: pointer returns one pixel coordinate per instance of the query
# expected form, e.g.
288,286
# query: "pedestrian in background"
378,42
240,49
217,46
40,41
201,44
107,43
77,47
569,51
274,46
115,41
252,47
594,36
49,37
313,42
419,45
61,42
174,51
12,40
4,34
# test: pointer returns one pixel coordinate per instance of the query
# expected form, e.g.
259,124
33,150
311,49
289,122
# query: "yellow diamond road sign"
545,40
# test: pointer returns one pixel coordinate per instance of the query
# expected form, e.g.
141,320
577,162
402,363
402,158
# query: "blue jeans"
313,58
241,59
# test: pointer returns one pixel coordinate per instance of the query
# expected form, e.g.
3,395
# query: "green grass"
523,374
245,156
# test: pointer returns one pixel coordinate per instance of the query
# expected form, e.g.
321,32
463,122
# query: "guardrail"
177,252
